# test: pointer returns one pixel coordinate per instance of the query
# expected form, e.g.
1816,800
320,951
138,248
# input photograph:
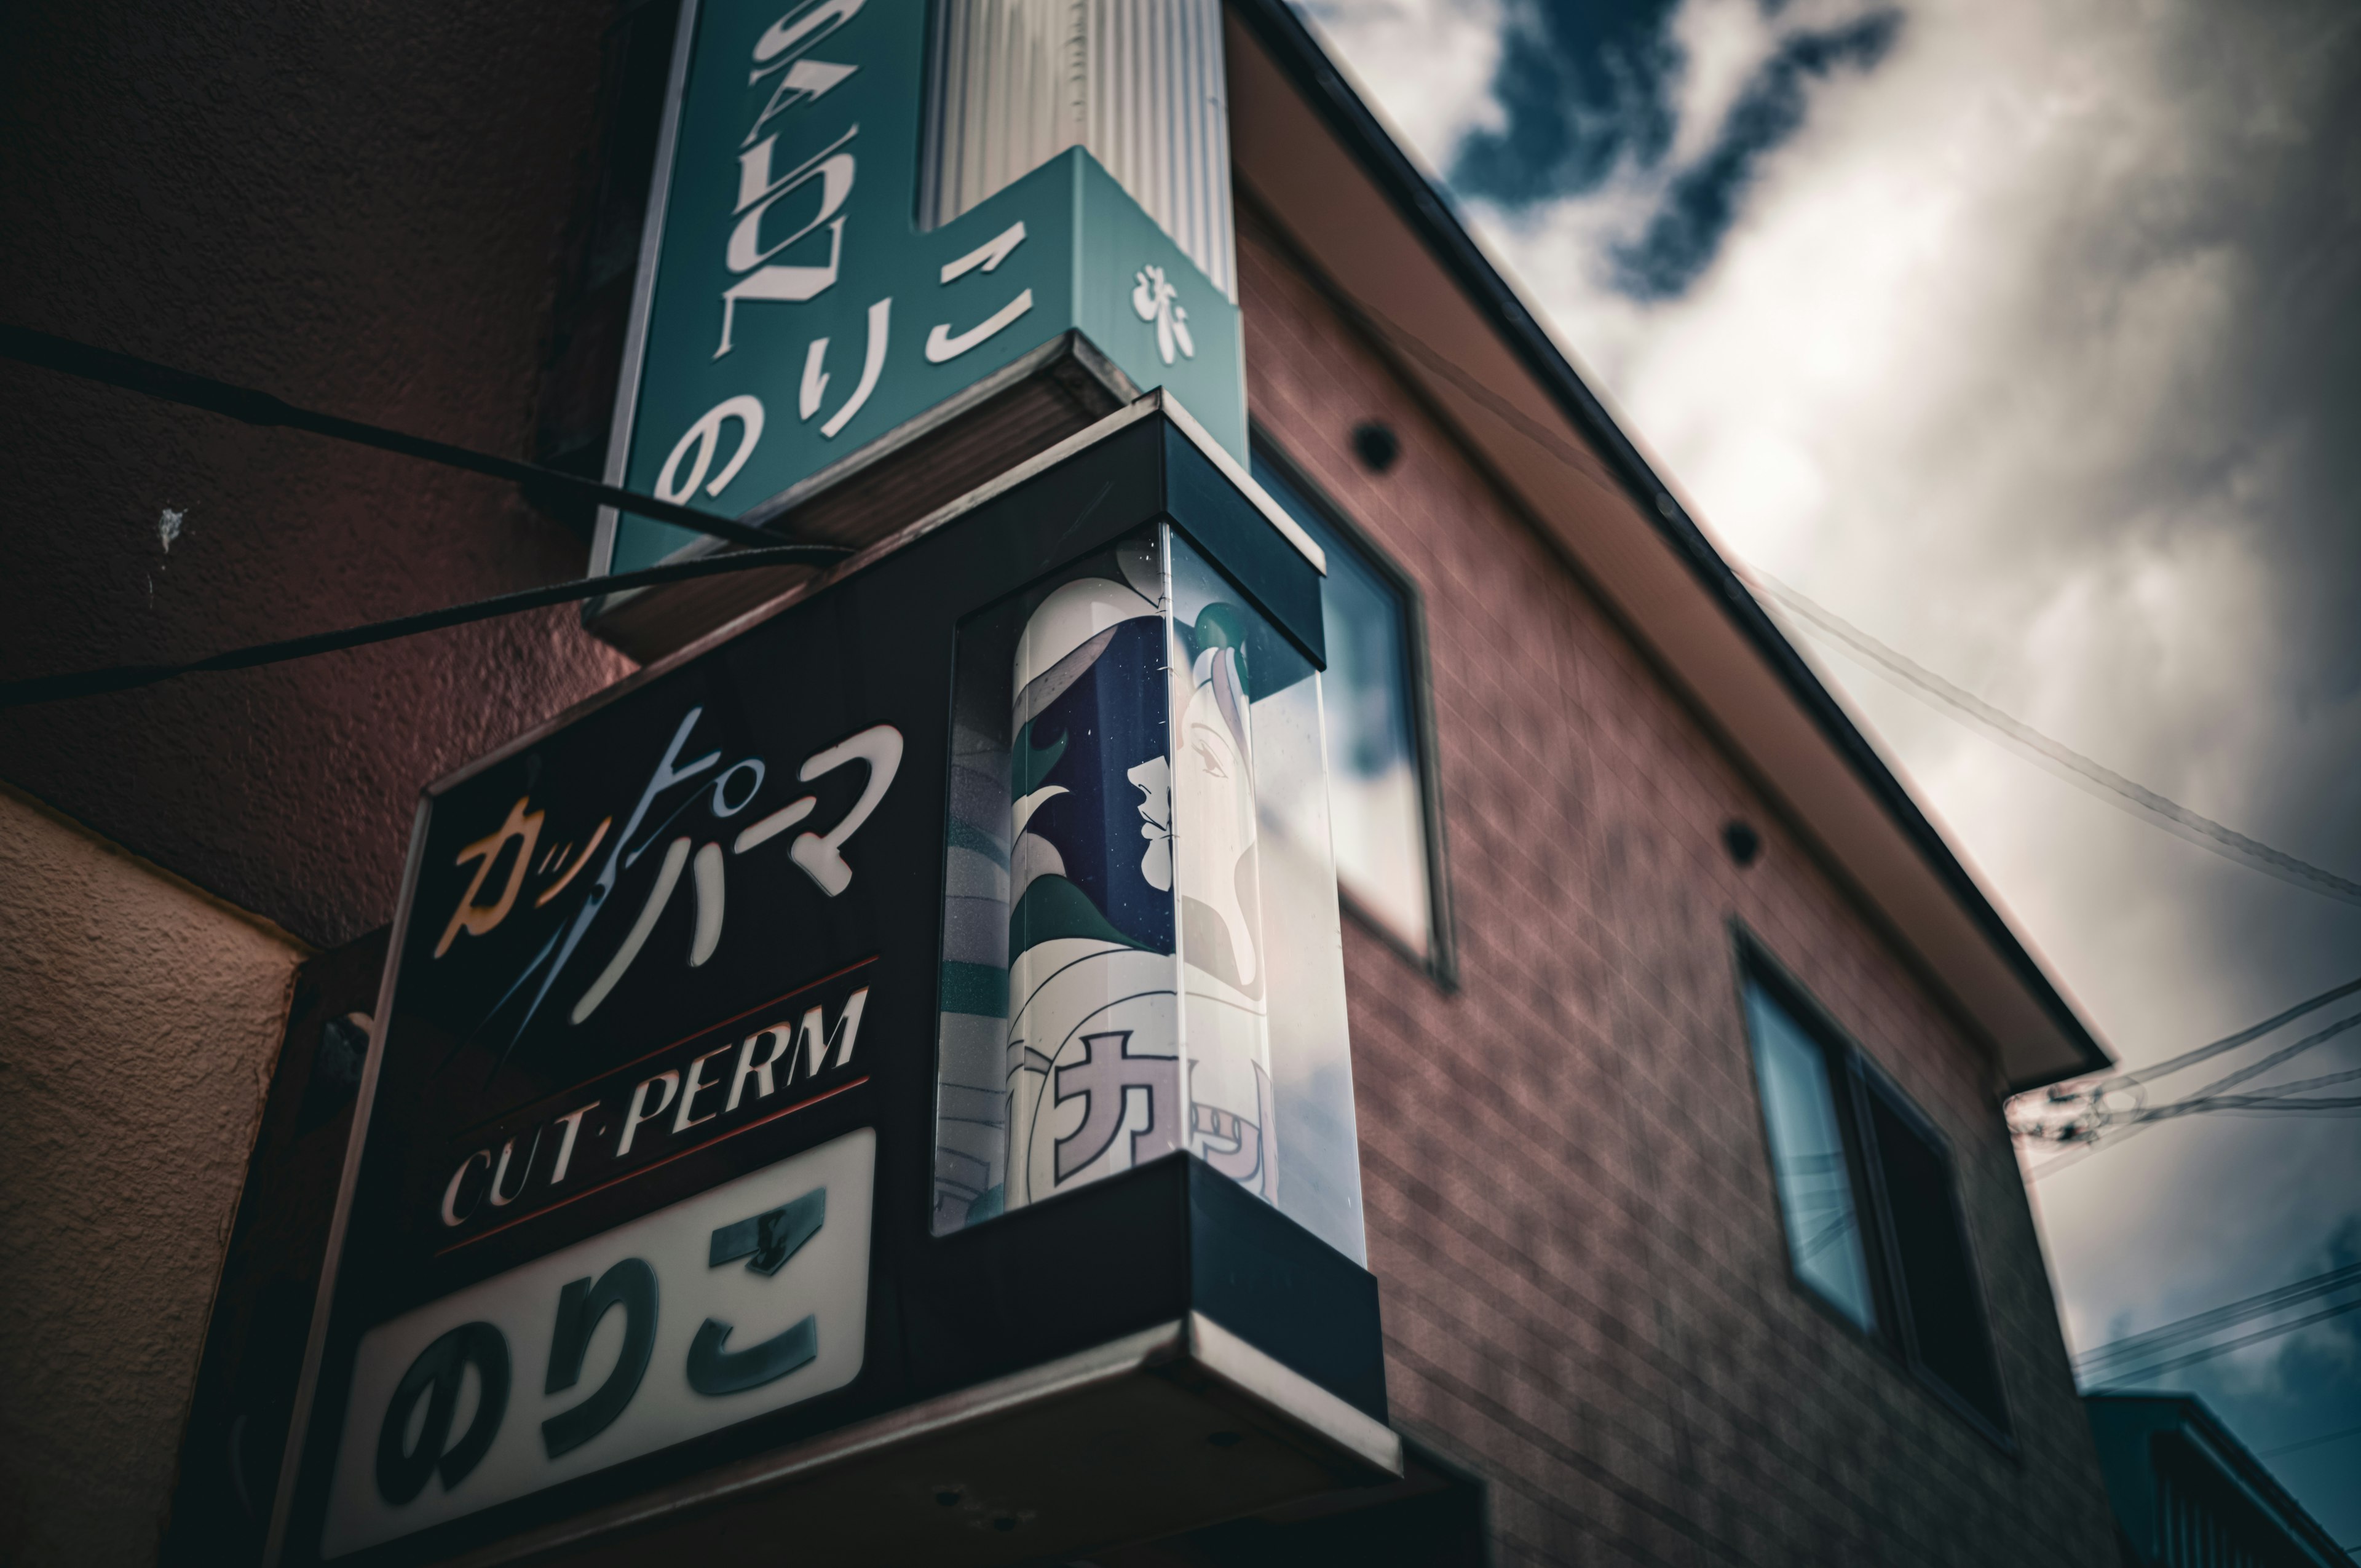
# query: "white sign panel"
739,1302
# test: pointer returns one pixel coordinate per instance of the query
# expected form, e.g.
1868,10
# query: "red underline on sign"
469,1132
657,1165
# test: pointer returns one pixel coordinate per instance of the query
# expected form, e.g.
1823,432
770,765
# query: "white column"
1011,83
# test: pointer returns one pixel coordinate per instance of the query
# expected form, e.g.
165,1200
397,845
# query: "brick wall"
1570,1206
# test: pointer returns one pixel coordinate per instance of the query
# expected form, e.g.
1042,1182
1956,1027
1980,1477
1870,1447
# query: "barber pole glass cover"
1139,923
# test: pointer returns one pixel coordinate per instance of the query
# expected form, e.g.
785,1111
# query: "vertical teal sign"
792,308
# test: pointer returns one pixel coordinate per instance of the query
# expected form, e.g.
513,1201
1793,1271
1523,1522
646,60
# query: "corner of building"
137,1042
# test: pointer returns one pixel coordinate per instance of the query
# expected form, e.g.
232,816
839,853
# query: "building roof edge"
2196,1418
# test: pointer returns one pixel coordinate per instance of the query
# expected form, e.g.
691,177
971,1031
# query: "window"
1935,1277
1381,795
1808,1159
1867,1197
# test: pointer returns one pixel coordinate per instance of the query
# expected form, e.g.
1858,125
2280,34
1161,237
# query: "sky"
2025,336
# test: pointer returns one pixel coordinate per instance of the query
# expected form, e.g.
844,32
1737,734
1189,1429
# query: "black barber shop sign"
641,1182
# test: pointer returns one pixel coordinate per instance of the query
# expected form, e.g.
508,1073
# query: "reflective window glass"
1808,1160
1141,954
1376,792
1947,1334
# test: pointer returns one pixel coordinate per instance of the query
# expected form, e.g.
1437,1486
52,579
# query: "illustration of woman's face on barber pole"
1225,1005
1093,1032
1222,926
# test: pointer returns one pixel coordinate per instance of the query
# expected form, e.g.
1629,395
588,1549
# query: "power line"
2285,1053
2210,1352
2274,1097
2310,1083
2326,1437
2304,1085
127,677
244,403
2232,1042
2157,808
2214,1319
2091,1095
2342,1106
2063,759
2147,1116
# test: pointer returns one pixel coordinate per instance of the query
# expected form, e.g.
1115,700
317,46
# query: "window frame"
1441,961
1854,1077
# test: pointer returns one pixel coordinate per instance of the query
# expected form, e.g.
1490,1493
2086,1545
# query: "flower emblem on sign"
1155,299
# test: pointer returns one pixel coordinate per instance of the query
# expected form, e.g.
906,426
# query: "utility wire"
2274,1097
133,374
2304,1085
2138,1346
2327,1437
2232,1042
2096,1088
2262,1100
2211,1351
2147,1116
127,677
2285,1053
2063,759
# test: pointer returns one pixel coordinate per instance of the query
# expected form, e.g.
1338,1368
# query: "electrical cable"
2324,1105
2304,1085
2098,1087
2276,1097
127,677
2211,1351
2326,1437
2232,1042
51,352
2063,759
2145,1117
2214,1319
2284,1053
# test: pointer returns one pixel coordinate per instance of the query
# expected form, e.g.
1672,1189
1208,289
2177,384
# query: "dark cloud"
1587,89
1584,85
1698,208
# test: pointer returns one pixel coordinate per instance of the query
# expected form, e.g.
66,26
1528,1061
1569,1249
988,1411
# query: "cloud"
1701,200
1436,59
1659,112
1585,87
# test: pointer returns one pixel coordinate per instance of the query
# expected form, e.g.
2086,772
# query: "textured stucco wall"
362,209
138,1021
